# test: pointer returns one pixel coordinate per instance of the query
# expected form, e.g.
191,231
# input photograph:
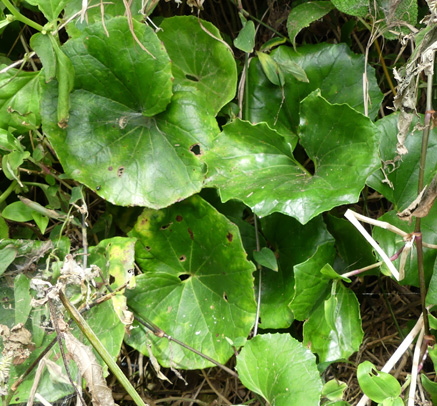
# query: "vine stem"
21,17
417,229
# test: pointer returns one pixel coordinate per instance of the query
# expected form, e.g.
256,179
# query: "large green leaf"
334,330
294,244
19,99
255,165
281,370
333,69
403,174
197,283
110,145
201,64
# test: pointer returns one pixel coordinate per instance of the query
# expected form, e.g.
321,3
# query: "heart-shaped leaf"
116,143
255,164
197,283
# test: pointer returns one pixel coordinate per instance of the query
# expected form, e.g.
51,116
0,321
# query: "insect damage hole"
195,149
192,78
120,171
184,276
225,297
182,258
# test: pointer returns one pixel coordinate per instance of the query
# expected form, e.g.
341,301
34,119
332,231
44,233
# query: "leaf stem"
93,339
417,229
8,191
21,17
259,267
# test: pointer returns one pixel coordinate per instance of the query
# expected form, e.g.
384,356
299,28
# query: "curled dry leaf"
17,342
421,206
90,370
422,60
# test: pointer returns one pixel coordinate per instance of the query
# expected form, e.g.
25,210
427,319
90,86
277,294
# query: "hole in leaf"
184,276
230,237
147,248
195,149
192,78
182,258
225,297
165,226
179,218
120,171
111,279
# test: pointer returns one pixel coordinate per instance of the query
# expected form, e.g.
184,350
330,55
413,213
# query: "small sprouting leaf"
333,389
266,257
245,40
271,68
328,271
42,45
18,211
7,256
287,376
304,14
377,385
272,43
22,298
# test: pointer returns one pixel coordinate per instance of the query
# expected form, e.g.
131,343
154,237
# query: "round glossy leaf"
255,165
281,370
333,69
197,284
201,63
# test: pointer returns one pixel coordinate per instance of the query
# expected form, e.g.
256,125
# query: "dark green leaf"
333,69
286,376
304,14
197,283
271,69
255,165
